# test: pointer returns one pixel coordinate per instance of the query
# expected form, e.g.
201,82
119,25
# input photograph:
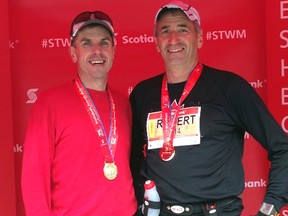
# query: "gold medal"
110,171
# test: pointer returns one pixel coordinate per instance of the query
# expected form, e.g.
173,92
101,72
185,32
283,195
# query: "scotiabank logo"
256,184
31,94
141,39
258,83
18,148
12,44
284,211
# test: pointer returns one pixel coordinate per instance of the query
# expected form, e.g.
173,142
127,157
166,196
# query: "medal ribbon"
170,117
108,145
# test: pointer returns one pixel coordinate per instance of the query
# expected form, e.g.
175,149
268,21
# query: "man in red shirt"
77,147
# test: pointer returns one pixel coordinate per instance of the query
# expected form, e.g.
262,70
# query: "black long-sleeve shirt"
213,169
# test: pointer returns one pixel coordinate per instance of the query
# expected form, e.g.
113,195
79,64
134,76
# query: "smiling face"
178,41
93,51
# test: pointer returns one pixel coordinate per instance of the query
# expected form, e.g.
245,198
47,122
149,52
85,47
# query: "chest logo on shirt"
187,127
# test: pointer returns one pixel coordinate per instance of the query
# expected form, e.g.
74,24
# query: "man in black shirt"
189,125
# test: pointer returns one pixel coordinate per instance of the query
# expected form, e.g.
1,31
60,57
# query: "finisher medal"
169,116
107,146
167,152
110,171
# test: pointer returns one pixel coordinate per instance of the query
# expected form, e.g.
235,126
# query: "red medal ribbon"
108,144
169,116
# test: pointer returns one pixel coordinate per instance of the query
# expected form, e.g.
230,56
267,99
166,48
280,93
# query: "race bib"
187,128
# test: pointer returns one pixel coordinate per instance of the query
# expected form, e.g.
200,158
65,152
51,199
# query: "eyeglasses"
87,16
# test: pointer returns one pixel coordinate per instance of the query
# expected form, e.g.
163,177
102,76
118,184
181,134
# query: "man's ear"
157,46
200,40
72,53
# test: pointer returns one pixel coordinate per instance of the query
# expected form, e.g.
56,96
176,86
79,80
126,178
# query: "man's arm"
36,165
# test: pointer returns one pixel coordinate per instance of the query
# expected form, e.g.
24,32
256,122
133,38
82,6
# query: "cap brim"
192,14
100,22
91,22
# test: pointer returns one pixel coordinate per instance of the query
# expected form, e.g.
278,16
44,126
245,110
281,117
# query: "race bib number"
187,128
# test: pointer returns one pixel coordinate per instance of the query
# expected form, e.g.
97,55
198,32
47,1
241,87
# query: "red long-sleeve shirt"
63,163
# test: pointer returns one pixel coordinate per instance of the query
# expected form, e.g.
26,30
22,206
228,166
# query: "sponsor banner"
235,38
277,60
277,63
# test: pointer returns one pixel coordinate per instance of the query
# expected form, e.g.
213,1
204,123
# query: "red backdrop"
7,172
243,36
